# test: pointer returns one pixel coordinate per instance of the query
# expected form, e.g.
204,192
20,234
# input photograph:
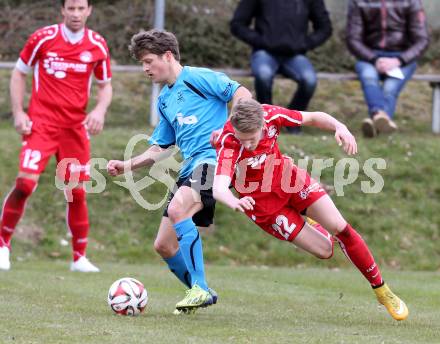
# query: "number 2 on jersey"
281,225
31,159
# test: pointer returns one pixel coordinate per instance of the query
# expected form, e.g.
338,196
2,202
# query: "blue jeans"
380,91
298,68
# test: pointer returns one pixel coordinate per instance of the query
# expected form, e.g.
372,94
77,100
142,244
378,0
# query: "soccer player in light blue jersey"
192,105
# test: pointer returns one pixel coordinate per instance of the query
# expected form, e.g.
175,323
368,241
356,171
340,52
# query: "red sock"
13,208
78,222
358,253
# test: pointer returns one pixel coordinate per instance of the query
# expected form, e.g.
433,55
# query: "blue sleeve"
163,135
216,84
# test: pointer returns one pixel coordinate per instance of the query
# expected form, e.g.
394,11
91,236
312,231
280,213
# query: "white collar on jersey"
72,37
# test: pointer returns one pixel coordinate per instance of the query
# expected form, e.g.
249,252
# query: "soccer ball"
127,296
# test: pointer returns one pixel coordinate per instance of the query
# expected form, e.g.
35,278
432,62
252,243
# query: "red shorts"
71,146
279,213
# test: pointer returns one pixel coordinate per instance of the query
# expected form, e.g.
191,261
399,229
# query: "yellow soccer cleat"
394,305
195,297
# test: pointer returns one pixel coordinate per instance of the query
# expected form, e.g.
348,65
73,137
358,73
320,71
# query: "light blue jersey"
190,111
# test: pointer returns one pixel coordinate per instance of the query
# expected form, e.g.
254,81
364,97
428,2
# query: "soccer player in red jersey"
64,57
274,192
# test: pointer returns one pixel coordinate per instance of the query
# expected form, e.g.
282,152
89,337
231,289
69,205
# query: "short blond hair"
247,116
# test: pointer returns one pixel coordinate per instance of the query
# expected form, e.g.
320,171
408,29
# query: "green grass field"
302,300
42,302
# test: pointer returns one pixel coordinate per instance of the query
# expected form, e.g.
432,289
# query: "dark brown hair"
154,41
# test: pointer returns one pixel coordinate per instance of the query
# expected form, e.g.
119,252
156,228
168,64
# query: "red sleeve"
102,69
282,117
228,151
31,51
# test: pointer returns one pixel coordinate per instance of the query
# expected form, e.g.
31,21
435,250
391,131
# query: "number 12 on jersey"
282,226
31,159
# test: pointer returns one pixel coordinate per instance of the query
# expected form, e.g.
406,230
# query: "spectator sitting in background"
387,37
280,39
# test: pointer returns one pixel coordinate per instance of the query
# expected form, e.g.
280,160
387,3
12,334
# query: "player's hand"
22,123
115,167
94,122
346,139
214,136
243,204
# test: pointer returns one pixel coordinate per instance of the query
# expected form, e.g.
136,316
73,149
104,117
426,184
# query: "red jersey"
280,189
262,165
63,73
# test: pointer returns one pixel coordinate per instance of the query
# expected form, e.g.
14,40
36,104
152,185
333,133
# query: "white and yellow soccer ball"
127,296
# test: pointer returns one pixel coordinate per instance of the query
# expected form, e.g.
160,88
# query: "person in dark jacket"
387,37
280,38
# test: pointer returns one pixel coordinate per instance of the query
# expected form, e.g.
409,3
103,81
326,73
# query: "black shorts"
201,180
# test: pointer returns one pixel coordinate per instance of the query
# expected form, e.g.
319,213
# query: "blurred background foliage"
202,27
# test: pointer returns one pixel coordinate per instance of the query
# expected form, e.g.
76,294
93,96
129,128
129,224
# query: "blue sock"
190,244
178,267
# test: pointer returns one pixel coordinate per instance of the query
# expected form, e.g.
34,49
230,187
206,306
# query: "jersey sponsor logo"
257,160
86,56
181,119
304,193
272,131
56,66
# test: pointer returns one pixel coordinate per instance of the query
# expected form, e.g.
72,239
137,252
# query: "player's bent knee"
164,248
330,248
327,254
175,214
327,250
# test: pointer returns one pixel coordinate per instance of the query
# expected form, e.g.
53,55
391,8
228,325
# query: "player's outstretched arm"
95,119
223,194
17,86
146,159
325,121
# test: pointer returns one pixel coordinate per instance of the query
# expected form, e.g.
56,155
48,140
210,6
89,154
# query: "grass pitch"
42,302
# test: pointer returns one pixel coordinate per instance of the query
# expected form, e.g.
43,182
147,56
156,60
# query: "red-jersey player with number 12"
274,192
64,57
